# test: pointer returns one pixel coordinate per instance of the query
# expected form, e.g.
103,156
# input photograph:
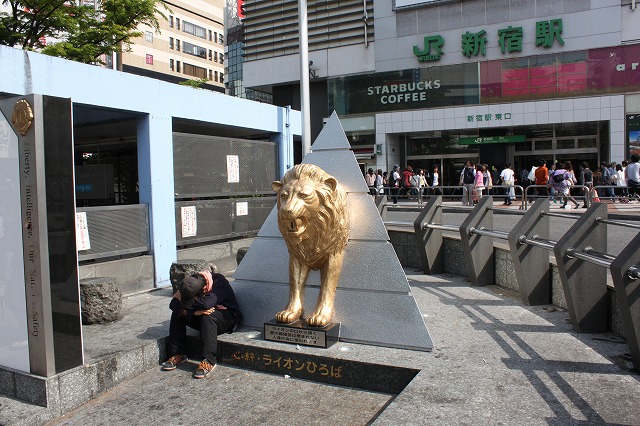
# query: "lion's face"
296,200
312,213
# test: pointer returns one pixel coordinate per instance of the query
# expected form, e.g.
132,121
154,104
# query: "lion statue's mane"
313,218
326,222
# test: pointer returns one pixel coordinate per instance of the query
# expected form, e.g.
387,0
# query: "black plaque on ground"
300,333
350,373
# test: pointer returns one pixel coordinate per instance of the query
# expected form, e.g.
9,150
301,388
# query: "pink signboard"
606,70
614,67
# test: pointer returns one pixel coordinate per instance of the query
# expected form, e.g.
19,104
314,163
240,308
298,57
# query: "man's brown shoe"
203,370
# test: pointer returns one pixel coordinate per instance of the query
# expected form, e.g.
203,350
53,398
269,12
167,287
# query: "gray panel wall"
587,24
200,166
116,230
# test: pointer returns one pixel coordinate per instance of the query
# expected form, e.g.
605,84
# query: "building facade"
234,53
441,82
190,45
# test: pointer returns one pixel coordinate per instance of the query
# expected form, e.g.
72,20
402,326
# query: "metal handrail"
522,193
537,242
614,187
398,223
454,187
585,189
526,193
441,227
591,258
618,223
564,215
501,235
599,258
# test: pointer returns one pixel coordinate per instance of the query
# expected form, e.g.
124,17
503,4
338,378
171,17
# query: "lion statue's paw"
319,319
288,316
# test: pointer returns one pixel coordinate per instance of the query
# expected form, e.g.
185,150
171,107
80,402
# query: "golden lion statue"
314,221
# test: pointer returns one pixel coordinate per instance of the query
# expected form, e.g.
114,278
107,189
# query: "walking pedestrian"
370,179
621,183
561,180
478,185
434,180
467,179
585,177
379,182
632,174
542,179
394,183
508,180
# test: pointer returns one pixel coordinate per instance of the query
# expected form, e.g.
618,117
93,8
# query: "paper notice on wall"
189,221
233,169
82,232
4,138
242,208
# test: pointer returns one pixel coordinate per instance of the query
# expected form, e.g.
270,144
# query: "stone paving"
495,362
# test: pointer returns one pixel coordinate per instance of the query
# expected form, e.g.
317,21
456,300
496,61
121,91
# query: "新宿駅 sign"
510,40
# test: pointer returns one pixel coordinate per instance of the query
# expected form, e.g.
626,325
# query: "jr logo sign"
425,55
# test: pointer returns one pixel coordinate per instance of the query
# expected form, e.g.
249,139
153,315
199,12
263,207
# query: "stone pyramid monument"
373,302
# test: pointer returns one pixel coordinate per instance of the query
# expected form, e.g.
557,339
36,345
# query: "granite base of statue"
299,333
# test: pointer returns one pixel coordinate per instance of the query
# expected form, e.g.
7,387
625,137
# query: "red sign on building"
149,59
241,9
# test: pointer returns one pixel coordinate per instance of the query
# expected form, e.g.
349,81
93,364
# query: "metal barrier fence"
116,231
580,255
426,193
586,197
218,219
616,193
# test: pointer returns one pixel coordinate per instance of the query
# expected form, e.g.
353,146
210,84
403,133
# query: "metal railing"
426,193
116,231
529,198
580,254
601,190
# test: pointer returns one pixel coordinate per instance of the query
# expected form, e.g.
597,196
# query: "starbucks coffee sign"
403,92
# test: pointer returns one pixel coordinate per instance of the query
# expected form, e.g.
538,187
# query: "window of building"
222,58
195,71
171,21
215,56
177,23
177,66
210,54
177,45
210,35
194,29
215,73
148,36
149,59
210,75
171,64
221,78
192,49
221,39
171,43
215,37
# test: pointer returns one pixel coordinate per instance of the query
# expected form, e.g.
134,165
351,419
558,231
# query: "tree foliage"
196,84
80,33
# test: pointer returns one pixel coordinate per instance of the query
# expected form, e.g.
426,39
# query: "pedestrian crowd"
410,183
561,182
